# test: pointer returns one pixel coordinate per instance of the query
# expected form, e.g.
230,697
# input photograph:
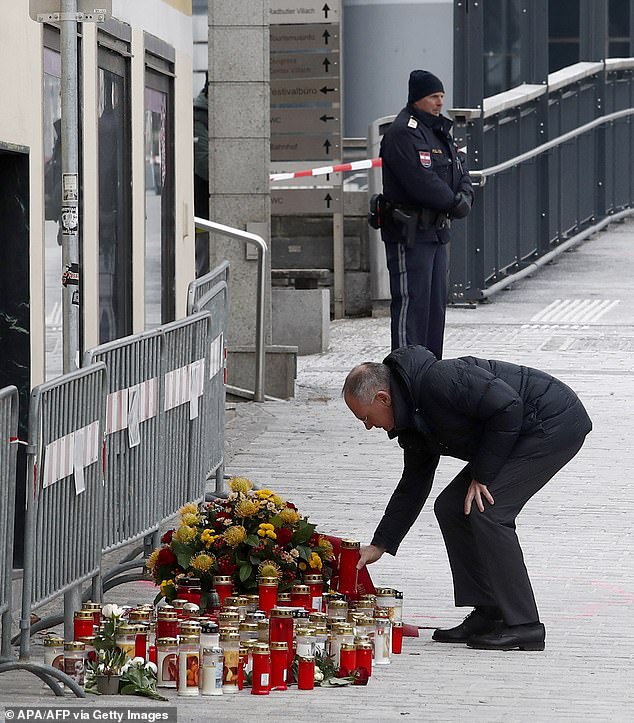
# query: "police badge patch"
425,159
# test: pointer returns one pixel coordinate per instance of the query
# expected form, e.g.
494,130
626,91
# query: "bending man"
515,427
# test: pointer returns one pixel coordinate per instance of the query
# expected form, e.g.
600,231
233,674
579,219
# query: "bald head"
365,380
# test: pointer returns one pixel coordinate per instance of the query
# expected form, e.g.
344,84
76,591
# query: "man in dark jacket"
425,185
515,427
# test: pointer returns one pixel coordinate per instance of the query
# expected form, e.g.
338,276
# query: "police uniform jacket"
474,409
422,167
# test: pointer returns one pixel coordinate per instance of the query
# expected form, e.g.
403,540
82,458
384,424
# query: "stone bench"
300,278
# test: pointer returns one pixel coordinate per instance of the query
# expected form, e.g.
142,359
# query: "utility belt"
408,217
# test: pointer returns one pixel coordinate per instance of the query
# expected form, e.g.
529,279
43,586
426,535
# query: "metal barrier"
216,302
185,365
201,286
64,514
553,162
8,449
133,449
201,223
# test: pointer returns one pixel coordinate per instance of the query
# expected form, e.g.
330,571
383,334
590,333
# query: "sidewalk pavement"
573,319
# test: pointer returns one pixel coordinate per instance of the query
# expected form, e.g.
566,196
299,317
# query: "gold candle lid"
350,544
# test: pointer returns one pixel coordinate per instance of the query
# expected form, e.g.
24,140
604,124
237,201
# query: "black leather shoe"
511,637
474,624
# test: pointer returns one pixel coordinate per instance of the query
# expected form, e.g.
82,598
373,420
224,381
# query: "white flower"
318,676
150,666
227,521
101,668
125,666
137,661
294,552
111,610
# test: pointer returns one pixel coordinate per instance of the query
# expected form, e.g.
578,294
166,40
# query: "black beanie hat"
422,83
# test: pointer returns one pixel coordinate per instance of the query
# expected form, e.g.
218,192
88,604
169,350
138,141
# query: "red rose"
291,506
167,537
360,676
284,535
166,557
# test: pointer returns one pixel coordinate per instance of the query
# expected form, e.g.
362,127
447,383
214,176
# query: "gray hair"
365,380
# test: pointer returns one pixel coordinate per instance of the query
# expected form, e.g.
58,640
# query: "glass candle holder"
223,585
212,659
316,587
166,662
364,656
348,657
348,559
267,593
230,643
397,637
95,609
261,674
281,631
167,625
189,665
306,674
300,596
279,665
83,622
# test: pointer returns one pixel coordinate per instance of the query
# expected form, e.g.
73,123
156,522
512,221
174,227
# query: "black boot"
480,621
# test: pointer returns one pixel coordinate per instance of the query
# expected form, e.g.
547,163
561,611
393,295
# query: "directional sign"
321,147
299,201
308,120
304,65
304,92
319,36
283,12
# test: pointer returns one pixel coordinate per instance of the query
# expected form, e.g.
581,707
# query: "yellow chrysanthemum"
277,501
234,535
289,516
167,588
302,565
190,519
185,534
264,494
326,548
240,484
150,563
315,561
208,537
189,508
269,568
247,508
202,561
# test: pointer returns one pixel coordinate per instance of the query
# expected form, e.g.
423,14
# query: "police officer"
425,185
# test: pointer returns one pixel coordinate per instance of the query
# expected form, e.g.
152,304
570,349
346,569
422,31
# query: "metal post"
468,83
593,30
70,186
338,257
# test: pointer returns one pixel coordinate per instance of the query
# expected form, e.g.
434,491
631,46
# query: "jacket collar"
435,122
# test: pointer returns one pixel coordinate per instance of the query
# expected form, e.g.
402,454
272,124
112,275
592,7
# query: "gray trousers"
485,556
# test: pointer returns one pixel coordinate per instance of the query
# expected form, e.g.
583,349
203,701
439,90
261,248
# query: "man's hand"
461,206
368,555
476,492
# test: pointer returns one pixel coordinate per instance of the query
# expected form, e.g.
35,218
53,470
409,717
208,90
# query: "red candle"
167,625
279,663
140,642
348,559
281,631
316,586
223,585
364,656
261,675
267,593
397,636
188,588
300,597
306,674
152,654
348,657
83,621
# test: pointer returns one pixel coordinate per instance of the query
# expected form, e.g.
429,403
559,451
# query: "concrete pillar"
239,150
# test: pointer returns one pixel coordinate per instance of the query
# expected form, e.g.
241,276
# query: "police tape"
323,170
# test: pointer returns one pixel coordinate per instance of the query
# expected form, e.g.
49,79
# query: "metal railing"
551,165
198,288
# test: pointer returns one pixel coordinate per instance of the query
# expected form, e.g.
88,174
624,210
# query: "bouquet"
251,534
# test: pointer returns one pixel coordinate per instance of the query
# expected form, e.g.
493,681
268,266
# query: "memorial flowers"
253,533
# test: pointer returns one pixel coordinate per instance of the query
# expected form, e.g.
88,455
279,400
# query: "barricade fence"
8,449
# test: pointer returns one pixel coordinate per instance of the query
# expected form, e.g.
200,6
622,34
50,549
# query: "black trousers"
419,288
485,556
